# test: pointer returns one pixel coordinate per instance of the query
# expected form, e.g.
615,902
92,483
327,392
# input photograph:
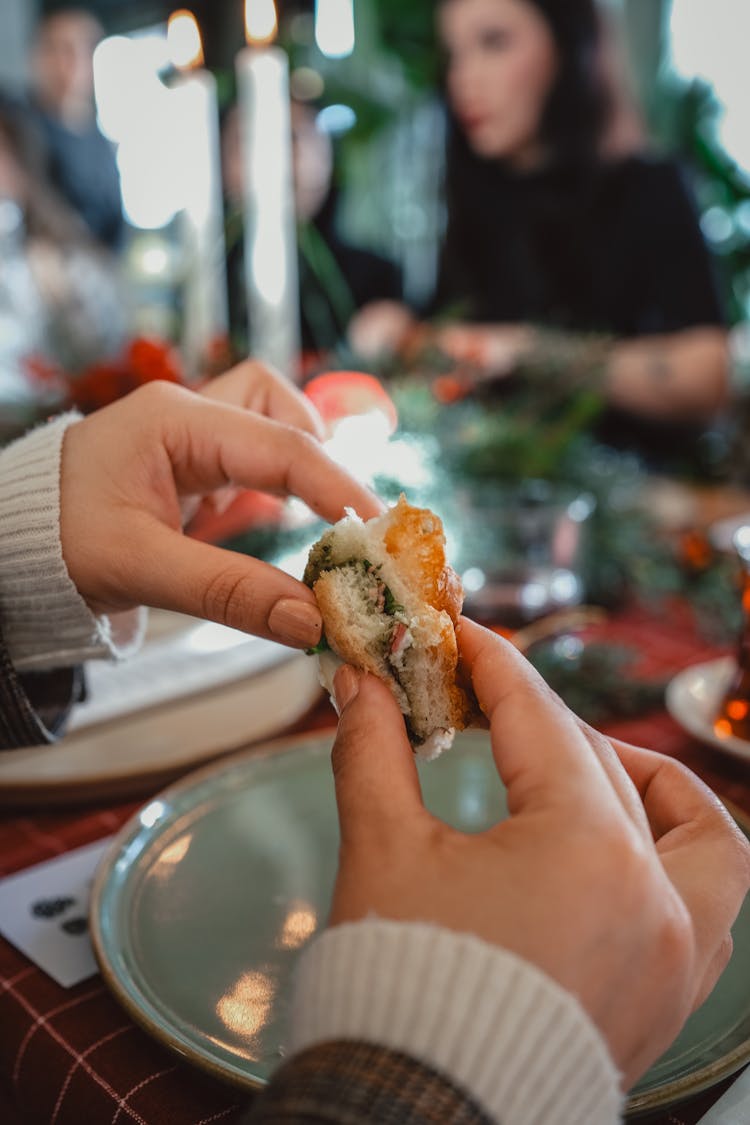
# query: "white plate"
196,690
693,698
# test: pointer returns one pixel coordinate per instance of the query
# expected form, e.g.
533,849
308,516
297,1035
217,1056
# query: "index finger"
672,795
254,386
539,749
212,444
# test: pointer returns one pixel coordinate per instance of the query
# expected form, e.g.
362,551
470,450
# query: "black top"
616,249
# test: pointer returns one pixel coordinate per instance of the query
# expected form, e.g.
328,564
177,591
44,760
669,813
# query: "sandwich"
390,604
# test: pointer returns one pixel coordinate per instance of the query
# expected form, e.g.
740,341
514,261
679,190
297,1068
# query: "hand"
617,873
127,469
493,349
253,386
380,329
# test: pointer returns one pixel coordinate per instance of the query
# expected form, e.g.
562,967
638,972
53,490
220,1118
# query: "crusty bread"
390,603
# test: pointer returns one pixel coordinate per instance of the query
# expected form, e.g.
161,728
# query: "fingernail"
295,623
345,686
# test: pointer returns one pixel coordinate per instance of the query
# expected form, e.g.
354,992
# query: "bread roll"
390,604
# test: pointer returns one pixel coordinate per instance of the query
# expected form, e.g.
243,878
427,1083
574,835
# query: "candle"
205,307
271,281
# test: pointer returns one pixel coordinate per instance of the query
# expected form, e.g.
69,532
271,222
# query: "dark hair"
578,105
53,8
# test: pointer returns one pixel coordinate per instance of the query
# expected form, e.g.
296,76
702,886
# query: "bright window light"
143,117
334,27
709,41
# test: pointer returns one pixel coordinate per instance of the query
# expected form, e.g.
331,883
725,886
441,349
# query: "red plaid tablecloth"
72,1055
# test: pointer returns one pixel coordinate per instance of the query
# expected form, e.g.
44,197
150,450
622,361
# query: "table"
73,1055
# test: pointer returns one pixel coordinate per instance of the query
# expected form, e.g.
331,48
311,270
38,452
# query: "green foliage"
595,679
684,119
408,30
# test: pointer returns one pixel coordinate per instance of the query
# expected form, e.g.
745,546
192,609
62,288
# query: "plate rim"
669,1093
736,747
273,748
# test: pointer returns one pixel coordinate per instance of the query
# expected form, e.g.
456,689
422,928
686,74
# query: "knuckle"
304,445
739,854
160,392
724,953
674,938
225,593
619,862
347,747
339,759
262,371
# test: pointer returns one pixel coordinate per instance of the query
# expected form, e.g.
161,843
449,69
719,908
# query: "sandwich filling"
385,625
389,604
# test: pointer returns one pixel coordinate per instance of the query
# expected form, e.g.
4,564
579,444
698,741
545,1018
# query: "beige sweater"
46,622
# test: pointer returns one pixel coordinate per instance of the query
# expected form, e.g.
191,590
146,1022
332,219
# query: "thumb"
188,576
377,785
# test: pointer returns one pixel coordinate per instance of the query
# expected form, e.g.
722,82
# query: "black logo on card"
49,909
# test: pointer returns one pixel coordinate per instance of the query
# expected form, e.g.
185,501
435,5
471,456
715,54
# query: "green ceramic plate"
202,904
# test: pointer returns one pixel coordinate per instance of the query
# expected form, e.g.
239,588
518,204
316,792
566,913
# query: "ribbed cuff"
46,622
496,1026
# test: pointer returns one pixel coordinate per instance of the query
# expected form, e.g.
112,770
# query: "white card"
733,1107
44,913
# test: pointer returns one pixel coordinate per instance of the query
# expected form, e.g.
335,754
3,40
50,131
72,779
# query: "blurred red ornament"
341,394
148,359
144,361
450,388
696,551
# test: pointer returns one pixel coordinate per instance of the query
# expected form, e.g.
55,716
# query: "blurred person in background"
563,237
80,160
336,278
61,303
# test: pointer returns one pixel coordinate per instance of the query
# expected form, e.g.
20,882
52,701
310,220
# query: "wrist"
496,1026
577,359
46,622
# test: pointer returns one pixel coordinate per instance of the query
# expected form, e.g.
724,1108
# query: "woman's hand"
494,350
617,873
127,470
380,328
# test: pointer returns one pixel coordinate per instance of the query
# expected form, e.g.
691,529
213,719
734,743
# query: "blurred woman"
551,226
61,303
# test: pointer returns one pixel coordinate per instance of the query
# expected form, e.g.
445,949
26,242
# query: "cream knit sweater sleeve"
493,1024
46,622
